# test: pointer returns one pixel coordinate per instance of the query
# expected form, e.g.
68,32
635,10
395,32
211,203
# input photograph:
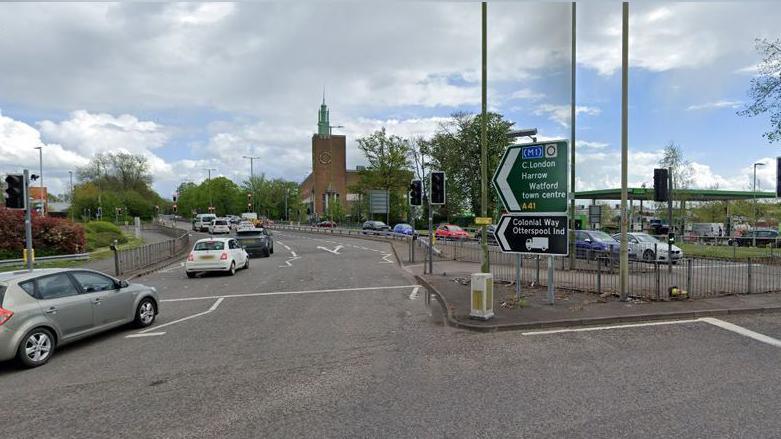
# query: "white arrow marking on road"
334,251
504,188
212,308
414,294
500,234
385,259
288,262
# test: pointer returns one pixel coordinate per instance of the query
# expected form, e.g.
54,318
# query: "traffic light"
174,207
416,193
437,187
778,176
14,193
174,198
661,185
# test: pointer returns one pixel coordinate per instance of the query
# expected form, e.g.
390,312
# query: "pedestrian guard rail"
343,231
130,260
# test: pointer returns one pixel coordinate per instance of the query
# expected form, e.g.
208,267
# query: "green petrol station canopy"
647,194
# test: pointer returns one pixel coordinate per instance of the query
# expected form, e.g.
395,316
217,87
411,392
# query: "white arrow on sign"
334,251
504,172
500,234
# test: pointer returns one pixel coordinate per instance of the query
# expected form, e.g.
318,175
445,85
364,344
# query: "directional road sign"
533,177
533,234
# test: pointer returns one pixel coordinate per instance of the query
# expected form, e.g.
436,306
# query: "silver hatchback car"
43,309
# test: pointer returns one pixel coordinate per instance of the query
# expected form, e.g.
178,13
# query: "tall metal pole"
624,256
28,221
209,186
70,178
754,194
484,266
40,178
670,228
572,147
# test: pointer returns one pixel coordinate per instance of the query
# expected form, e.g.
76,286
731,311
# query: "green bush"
102,227
102,234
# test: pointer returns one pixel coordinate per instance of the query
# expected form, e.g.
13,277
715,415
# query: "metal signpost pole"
572,149
484,265
624,255
517,278
430,236
669,219
28,221
551,294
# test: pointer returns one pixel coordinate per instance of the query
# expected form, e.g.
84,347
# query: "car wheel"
36,348
272,250
232,270
191,274
246,264
266,253
145,313
648,255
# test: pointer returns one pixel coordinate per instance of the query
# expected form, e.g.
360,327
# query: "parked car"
203,221
44,309
327,224
375,227
404,229
648,248
764,237
594,243
256,242
216,254
450,231
219,225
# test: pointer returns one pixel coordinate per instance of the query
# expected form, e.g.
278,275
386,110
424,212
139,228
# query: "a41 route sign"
532,234
533,177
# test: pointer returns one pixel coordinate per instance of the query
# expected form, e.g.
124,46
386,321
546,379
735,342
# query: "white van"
203,221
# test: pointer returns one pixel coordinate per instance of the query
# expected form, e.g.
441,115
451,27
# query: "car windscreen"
249,233
601,236
454,228
646,238
209,245
220,223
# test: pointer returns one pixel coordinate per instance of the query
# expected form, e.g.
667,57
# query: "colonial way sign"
532,178
533,234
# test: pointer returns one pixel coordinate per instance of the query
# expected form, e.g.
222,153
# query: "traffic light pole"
670,229
28,221
430,238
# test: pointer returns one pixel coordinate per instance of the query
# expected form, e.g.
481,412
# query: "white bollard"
482,296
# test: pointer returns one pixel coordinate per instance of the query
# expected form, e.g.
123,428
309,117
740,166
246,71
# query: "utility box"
482,296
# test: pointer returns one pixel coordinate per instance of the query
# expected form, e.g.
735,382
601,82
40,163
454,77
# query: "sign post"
532,183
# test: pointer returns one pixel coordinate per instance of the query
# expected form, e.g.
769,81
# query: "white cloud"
527,94
561,113
591,145
714,105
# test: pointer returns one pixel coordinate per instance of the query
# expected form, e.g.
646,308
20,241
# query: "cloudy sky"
199,85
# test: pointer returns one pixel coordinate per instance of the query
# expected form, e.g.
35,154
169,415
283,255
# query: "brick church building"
330,178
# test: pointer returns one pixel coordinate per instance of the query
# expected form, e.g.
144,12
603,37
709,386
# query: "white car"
216,254
648,248
219,225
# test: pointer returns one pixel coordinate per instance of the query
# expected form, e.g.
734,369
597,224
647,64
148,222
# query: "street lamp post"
40,176
70,179
754,193
251,160
209,186
484,266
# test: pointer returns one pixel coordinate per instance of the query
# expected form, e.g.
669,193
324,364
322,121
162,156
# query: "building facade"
330,179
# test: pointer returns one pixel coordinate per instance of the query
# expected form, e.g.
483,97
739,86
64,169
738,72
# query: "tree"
455,149
118,171
765,90
681,168
388,157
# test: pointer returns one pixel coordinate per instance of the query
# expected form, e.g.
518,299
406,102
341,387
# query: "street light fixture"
529,132
251,161
754,232
209,186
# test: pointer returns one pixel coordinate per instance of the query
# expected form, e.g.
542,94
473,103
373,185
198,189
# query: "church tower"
323,124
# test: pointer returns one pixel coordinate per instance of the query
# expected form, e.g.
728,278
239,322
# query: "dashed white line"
742,331
282,293
602,328
147,334
158,327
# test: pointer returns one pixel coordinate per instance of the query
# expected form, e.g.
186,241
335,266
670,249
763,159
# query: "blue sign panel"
532,152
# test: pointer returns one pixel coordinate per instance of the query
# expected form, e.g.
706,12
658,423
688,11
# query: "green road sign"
532,178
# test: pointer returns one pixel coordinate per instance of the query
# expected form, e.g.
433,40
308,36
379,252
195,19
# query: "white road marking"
601,328
334,251
147,334
742,331
282,293
288,262
414,294
172,268
212,308
385,259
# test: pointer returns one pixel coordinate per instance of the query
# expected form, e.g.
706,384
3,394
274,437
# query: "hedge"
51,235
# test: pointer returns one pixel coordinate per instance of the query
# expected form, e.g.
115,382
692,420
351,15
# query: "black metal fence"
599,272
129,260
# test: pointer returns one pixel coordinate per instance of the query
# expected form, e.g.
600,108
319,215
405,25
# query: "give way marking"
710,320
334,251
147,332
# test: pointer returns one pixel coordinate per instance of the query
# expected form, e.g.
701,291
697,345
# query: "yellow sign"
24,255
482,220
477,300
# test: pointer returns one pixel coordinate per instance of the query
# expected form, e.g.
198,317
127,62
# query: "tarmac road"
344,347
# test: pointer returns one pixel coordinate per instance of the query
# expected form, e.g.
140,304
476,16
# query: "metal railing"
598,272
129,260
342,231
73,257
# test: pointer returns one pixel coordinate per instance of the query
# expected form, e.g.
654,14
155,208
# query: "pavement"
451,283
331,338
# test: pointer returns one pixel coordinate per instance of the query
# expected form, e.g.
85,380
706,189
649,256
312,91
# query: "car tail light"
191,257
5,315
224,256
